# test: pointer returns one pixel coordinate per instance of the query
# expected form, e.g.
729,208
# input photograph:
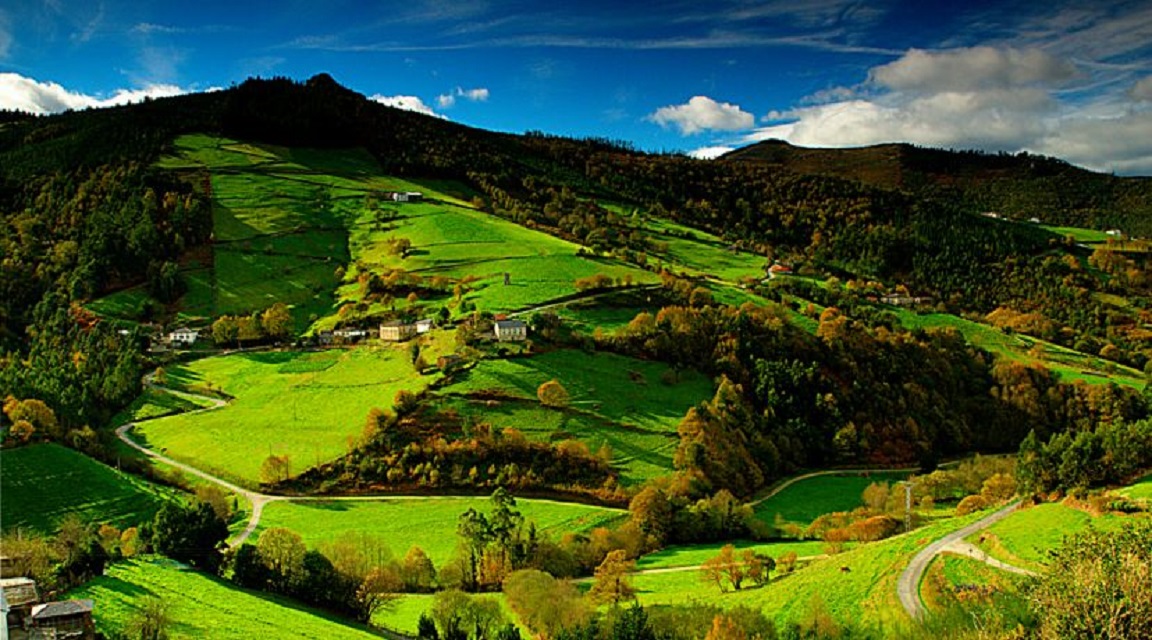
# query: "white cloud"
709,153
702,113
1142,90
972,69
408,103
448,100
26,94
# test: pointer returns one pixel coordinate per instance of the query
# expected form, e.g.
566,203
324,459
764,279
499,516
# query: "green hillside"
203,606
44,483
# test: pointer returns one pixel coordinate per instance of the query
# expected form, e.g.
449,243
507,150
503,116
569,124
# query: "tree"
418,572
214,496
553,394
277,321
652,513
225,330
152,620
378,592
191,534
725,628
1098,586
545,604
612,583
282,551
276,469
757,567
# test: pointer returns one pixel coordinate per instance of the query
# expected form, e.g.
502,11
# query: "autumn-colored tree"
417,571
612,583
725,628
276,468
553,394
379,591
282,552
277,321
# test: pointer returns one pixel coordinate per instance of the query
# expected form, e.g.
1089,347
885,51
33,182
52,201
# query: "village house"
778,269
17,597
424,326
1115,233
397,331
325,338
407,196
59,620
903,300
511,330
184,336
350,335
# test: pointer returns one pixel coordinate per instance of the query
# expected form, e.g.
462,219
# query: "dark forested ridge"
1019,186
85,211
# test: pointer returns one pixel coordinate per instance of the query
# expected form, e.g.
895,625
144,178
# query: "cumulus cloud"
709,153
448,100
702,113
26,94
975,98
408,103
1142,90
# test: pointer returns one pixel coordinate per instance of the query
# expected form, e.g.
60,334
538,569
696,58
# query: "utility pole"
907,505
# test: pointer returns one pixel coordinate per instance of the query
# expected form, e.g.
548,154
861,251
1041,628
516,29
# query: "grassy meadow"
1139,490
302,404
44,483
1025,537
807,499
865,593
695,555
617,401
204,606
428,522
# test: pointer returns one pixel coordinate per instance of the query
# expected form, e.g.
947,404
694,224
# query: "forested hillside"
87,212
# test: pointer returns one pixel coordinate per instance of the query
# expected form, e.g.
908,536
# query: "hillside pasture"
857,585
1139,490
458,242
204,606
700,253
1027,536
306,405
428,522
807,499
695,555
632,406
1068,364
44,483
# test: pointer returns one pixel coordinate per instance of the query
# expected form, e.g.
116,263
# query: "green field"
44,483
1078,234
698,252
427,522
303,404
805,500
203,606
458,242
695,555
865,593
1139,490
615,400
1068,364
1025,537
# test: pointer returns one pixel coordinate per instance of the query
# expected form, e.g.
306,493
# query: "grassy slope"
1140,490
458,242
204,606
866,593
1026,537
810,498
1068,364
43,483
305,405
637,418
694,555
428,522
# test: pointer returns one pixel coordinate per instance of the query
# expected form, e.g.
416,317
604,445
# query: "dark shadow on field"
326,505
271,357
124,588
179,375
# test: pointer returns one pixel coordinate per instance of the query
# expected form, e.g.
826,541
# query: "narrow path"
969,550
908,586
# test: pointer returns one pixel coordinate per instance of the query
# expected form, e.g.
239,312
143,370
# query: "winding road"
908,586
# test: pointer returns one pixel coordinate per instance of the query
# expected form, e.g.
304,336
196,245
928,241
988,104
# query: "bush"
971,504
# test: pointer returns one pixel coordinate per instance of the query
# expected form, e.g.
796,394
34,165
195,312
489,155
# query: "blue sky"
1071,79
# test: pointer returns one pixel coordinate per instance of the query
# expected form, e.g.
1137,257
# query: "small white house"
424,326
184,335
397,331
1115,233
407,196
350,335
511,331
